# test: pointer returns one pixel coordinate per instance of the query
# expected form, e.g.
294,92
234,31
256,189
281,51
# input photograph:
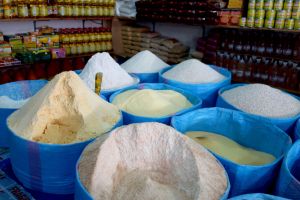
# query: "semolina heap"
64,111
151,103
230,149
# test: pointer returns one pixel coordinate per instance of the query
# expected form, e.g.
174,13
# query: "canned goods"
288,14
270,14
250,22
297,24
279,24
260,14
289,24
296,14
281,14
259,4
251,4
251,13
259,22
269,23
268,5
288,4
278,5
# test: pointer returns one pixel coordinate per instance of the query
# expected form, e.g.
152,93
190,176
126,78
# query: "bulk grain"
130,164
193,71
144,62
230,149
263,100
151,103
114,76
64,111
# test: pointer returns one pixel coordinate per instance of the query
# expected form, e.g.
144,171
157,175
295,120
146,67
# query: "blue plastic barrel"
208,92
257,196
131,118
248,131
288,184
48,168
147,77
19,90
286,124
297,130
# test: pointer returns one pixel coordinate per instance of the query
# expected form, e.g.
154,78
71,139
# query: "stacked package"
126,8
136,39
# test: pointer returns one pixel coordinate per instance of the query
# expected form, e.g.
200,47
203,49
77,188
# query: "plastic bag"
257,196
19,90
248,131
208,92
48,168
131,118
286,124
288,183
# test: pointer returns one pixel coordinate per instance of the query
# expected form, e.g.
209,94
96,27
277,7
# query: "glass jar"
67,2
34,11
61,10
105,11
103,46
23,11
86,37
72,37
55,10
6,2
85,48
73,49
98,46
14,11
109,46
88,11
93,2
100,2
60,1
67,49
109,36
87,2
79,37
94,11
81,11
100,11
7,12
98,36
40,1
79,49
92,37
43,11
75,11
111,11
92,47
69,11
75,2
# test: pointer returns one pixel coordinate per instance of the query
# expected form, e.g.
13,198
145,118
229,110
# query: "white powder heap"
193,71
64,111
114,76
263,100
6,102
144,62
150,161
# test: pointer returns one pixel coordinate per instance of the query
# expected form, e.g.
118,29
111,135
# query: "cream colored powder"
230,149
64,111
150,161
151,103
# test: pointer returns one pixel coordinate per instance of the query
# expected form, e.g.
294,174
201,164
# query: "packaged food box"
30,41
5,49
58,53
235,4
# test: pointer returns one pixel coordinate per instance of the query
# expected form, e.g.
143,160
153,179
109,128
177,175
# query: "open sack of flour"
149,161
50,131
12,96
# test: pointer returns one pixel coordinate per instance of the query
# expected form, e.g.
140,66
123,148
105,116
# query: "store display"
67,119
249,131
114,76
230,150
193,71
159,102
147,170
263,100
289,173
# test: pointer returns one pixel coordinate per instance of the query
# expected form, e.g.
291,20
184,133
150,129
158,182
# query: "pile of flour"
130,164
263,100
64,111
114,76
6,102
193,71
144,62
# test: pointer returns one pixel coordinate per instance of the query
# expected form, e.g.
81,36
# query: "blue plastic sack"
208,92
297,130
147,77
19,90
48,168
286,124
257,196
131,118
288,184
248,131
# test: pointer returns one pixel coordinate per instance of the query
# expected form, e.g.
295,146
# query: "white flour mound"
150,161
6,102
144,62
263,100
114,76
193,71
64,111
